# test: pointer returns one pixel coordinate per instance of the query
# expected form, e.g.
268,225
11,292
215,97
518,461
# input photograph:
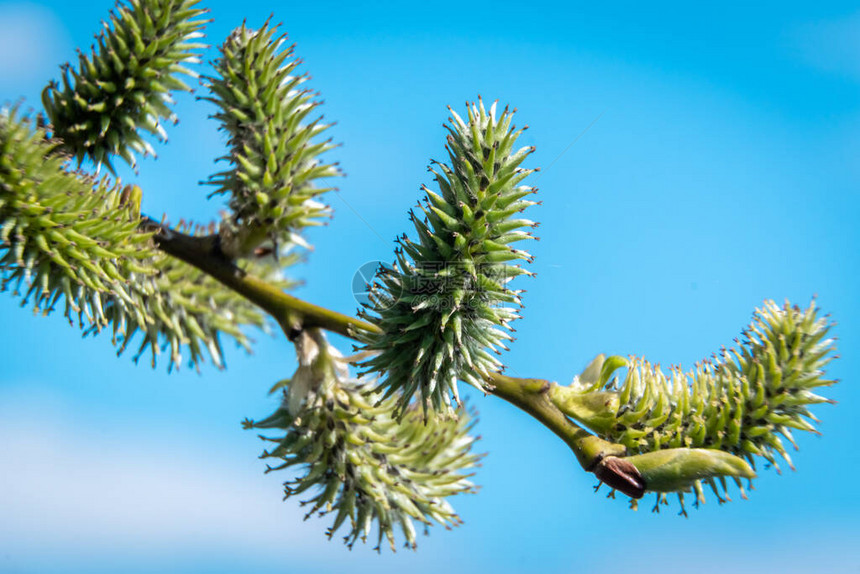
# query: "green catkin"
70,241
60,228
269,118
357,462
183,309
123,87
444,307
744,402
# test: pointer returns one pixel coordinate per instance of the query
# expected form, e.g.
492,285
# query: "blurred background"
696,161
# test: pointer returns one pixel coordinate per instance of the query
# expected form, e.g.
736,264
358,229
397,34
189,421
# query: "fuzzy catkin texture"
745,402
69,239
124,86
274,162
62,233
186,314
445,307
360,464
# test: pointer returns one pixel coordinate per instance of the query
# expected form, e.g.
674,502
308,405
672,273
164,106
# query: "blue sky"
719,169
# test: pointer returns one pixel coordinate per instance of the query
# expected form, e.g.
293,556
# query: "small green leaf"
678,469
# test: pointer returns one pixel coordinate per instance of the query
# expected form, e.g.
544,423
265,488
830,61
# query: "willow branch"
295,315
204,253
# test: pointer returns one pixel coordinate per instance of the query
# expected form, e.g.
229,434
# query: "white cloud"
32,43
81,491
831,45
66,491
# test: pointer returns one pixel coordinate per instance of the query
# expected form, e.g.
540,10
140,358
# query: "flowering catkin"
124,86
359,462
444,308
744,402
68,238
273,141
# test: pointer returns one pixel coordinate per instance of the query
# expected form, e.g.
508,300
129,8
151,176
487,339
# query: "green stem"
531,395
291,313
295,315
